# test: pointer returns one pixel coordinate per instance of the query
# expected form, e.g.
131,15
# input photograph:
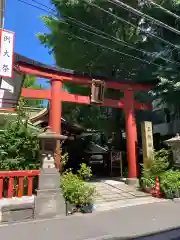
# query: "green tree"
84,57
30,81
19,145
81,56
168,88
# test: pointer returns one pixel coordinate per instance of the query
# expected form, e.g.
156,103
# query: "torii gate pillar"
55,115
55,106
131,136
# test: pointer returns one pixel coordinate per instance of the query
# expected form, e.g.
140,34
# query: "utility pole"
2,8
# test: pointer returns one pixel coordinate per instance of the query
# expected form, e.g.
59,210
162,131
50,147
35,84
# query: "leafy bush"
159,163
147,181
75,189
84,172
71,186
170,183
64,160
19,146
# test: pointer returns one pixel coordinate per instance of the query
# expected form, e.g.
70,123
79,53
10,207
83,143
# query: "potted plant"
87,198
71,187
77,193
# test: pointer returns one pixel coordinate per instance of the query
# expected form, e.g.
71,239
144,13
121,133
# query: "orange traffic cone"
157,192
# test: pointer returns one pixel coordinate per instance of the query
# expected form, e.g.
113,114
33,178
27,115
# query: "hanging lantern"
97,91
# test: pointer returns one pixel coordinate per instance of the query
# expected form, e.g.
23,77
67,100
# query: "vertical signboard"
147,141
6,53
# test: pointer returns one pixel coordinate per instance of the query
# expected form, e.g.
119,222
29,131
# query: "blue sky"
24,21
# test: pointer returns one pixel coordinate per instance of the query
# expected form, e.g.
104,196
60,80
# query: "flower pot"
87,208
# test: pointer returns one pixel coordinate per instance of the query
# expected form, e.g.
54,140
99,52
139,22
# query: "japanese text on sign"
6,53
147,140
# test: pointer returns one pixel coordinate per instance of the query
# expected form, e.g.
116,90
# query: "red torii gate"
56,96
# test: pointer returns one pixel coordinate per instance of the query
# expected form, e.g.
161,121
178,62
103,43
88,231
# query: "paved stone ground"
124,223
112,190
113,194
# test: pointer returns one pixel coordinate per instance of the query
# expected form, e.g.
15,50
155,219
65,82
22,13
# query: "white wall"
10,90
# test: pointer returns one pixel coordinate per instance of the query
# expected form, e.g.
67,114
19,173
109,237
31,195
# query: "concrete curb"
15,203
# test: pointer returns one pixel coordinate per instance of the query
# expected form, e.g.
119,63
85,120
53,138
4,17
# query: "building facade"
166,120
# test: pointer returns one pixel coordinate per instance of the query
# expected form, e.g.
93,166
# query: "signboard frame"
6,51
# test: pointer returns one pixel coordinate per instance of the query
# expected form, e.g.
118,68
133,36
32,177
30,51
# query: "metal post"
2,8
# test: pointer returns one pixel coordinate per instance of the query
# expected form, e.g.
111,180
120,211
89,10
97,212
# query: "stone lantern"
174,143
49,201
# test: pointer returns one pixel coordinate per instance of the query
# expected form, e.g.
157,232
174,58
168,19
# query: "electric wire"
98,44
124,44
164,9
133,25
109,37
139,13
117,41
121,19
108,48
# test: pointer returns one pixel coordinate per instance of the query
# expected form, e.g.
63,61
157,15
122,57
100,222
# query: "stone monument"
49,201
174,143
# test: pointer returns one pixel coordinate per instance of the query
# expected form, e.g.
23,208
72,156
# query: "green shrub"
71,186
147,181
64,160
85,171
159,163
75,189
19,146
170,182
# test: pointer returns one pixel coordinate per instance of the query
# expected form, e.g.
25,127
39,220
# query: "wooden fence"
18,183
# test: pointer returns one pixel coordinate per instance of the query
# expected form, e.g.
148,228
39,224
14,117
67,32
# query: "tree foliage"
19,145
85,57
81,56
30,81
